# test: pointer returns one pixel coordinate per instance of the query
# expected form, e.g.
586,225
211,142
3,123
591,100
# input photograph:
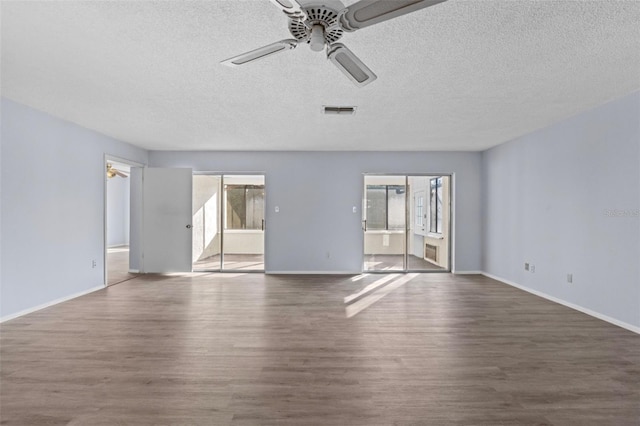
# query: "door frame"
408,217
107,158
222,216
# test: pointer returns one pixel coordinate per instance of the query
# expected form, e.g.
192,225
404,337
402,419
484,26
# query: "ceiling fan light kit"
321,23
316,41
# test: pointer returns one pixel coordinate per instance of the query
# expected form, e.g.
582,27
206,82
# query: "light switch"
277,209
355,209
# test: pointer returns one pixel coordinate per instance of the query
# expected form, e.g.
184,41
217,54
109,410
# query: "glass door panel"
428,232
384,212
243,218
207,235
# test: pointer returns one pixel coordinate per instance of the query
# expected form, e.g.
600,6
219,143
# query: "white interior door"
167,220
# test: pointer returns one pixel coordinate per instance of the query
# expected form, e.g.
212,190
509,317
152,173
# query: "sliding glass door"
384,223
243,231
428,225
228,222
406,223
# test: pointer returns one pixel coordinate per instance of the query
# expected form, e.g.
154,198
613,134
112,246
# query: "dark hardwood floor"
249,349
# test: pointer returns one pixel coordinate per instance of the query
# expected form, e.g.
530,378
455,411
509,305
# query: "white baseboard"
313,272
360,272
51,303
579,308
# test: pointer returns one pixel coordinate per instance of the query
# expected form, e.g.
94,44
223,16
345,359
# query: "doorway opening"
407,223
117,223
228,222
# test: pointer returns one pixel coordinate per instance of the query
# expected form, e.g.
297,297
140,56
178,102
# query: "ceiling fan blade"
369,12
262,52
350,65
291,8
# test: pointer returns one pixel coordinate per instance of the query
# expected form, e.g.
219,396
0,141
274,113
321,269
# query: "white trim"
468,273
579,308
51,303
313,272
126,161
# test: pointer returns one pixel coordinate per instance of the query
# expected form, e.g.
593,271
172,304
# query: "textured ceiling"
461,75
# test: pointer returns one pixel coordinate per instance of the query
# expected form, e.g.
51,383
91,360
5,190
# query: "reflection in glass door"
228,222
406,223
384,223
243,218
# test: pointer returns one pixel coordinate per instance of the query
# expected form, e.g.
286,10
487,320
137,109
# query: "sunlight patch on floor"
359,277
397,281
372,286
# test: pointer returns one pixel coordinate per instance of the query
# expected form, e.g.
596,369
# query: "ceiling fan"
113,172
321,23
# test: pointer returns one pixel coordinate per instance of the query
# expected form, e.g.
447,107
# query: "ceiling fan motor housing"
317,15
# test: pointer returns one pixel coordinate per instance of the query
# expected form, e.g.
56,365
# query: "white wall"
316,191
549,198
52,207
117,211
243,241
384,242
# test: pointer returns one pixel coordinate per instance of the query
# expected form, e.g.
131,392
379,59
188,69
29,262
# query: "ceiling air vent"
336,110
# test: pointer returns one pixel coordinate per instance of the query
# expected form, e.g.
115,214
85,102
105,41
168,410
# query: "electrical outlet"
94,263
570,278
526,266
533,269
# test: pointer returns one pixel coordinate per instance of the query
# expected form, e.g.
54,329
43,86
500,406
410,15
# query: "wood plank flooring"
250,349
118,265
